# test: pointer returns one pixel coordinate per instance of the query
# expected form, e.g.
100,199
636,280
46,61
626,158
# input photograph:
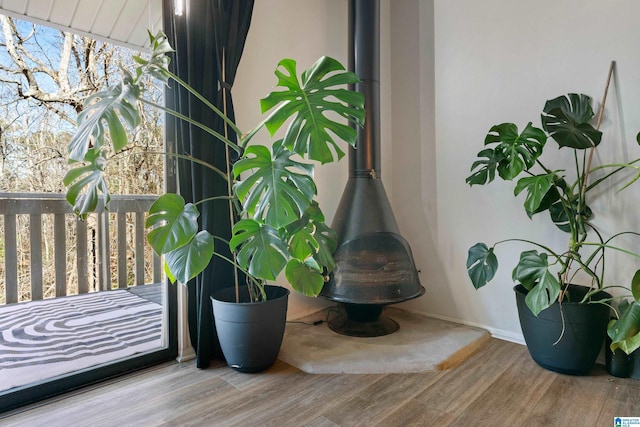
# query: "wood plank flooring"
497,386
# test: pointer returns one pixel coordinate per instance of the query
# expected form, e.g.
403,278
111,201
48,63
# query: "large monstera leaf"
310,238
566,119
172,221
533,273
327,241
86,182
310,132
304,277
537,186
263,253
174,233
276,191
106,107
311,245
625,331
187,261
113,109
563,209
484,169
482,264
514,152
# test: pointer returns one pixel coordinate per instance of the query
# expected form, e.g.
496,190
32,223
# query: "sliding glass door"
80,300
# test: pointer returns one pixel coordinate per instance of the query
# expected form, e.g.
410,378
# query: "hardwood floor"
497,386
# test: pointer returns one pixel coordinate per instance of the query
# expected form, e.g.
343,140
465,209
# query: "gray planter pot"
635,371
585,327
250,333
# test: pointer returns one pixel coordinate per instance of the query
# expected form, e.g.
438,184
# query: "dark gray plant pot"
619,364
585,330
635,362
250,333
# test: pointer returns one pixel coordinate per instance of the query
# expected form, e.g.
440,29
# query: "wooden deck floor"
498,386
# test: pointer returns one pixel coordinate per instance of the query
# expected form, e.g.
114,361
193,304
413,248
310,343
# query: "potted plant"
563,323
280,226
622,354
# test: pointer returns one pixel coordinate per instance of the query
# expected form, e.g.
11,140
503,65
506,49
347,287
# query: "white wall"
498,61
450,70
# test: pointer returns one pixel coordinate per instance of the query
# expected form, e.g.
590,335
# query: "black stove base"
344,325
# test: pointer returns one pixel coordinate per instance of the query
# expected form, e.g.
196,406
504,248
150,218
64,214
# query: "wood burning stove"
375,266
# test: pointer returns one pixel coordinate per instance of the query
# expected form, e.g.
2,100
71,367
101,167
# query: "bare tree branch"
27,65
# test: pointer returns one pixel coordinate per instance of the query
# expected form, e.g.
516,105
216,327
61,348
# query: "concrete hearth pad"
421,344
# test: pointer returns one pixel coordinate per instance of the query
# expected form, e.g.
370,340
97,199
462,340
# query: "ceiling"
124,22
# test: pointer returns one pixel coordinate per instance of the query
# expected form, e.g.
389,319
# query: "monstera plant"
511,154
624,330
558,288
280,226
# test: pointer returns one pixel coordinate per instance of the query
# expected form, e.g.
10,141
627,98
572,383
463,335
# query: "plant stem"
550,251
230,261
189,120
209,199
206,102
191,159
619,167
615,248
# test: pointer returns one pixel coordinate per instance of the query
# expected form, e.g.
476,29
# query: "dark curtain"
208,39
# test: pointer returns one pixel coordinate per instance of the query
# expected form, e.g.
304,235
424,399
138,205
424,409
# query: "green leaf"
625,332
537,188
327,243
312,238
310,132
517,152
485,167
274,192
530,268
559,206
559,214
103,107
302,244
262,252
86,182
533,273
157,66
303,278
174,223
482,264
168,272
187,261
566,119
635,286
544,294
550,199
